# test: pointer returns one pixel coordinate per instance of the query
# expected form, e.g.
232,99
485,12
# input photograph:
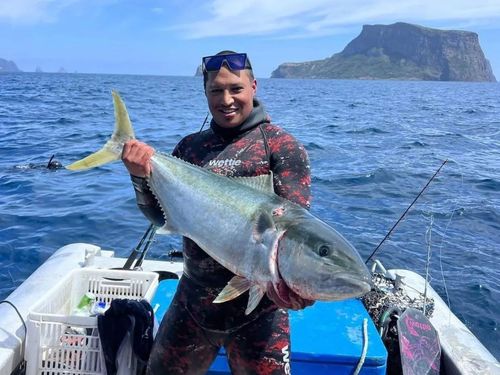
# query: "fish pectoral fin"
264,182
256,294
264,223
234,288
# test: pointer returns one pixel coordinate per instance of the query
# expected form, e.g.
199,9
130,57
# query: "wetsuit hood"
257,116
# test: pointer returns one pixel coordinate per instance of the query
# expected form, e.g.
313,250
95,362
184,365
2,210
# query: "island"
7,66
401,51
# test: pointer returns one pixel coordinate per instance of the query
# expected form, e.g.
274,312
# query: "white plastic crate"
60,343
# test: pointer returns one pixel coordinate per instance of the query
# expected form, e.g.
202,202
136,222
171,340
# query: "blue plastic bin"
327,338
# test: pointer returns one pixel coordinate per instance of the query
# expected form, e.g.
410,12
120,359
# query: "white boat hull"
463,353
64,260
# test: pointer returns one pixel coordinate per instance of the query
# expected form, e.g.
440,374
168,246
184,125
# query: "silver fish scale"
198,205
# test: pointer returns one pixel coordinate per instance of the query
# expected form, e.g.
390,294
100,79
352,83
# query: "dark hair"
225,52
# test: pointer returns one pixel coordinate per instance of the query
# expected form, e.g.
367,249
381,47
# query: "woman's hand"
136,157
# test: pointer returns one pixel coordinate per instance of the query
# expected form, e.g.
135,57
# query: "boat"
327,338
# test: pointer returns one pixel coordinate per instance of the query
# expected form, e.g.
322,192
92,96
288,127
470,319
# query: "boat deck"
323,335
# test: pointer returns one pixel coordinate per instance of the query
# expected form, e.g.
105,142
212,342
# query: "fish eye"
323,250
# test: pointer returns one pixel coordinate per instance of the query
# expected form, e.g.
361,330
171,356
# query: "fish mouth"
355,275
354,281
343,285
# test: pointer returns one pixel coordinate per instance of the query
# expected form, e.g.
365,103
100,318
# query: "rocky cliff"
7,66
400,51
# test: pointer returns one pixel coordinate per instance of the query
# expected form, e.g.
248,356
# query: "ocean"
373,145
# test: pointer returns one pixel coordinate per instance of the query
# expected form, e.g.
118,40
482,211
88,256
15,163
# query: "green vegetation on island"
400,51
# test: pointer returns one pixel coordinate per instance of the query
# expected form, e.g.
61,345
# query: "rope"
18,313
365,347
427,264
22,364
444,236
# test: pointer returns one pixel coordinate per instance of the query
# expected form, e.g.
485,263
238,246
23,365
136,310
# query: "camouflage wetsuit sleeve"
290,166
147,202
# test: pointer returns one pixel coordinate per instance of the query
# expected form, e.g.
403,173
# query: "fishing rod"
150,231
204,122
152,234
406,211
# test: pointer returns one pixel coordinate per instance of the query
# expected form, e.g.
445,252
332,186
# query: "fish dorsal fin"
264,182
234,288
256,294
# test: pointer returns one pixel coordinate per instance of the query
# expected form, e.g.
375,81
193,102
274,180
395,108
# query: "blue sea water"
373,145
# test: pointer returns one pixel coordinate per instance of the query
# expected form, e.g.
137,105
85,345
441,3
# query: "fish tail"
112,150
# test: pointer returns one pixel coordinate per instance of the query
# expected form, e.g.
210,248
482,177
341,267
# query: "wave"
414,144
60,121
487,184
471,111
313,146
370,130
380,175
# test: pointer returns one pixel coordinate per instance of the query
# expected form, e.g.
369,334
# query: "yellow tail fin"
112,150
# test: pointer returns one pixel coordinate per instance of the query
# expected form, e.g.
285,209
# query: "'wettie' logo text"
286,359
224,163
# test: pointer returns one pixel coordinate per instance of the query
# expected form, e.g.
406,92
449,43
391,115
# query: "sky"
169,37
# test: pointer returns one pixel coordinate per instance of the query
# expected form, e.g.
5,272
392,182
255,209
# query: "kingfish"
259,236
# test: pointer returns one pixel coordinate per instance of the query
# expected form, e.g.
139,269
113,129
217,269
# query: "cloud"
157,10
32,11
298,18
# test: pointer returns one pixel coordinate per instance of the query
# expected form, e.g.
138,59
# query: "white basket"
60,343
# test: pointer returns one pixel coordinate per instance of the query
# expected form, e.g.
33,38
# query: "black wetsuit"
194,328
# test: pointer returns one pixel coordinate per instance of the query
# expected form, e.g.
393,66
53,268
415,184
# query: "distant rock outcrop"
7,66
199,72
400,51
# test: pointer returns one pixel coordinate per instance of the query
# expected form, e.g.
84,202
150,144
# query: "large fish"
262,238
